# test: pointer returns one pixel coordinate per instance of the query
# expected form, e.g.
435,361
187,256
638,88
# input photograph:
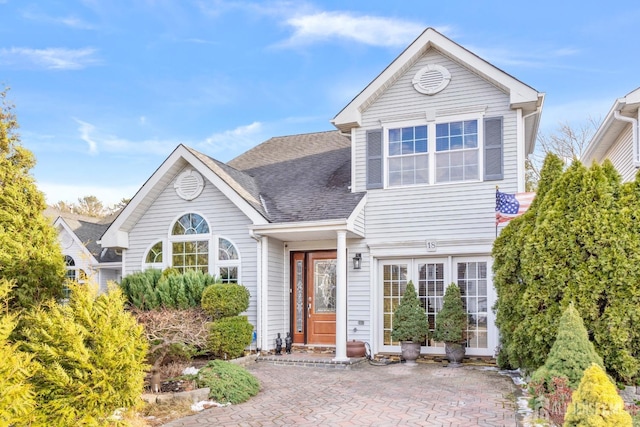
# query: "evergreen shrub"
228,382
578,242
451,320
229,336
596,402
225,300
409,318
89,357
16,394
152,289
571,354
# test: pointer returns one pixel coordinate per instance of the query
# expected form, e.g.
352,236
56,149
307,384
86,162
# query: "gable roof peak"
521,95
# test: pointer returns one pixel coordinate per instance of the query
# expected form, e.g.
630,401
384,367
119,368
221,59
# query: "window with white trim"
434,153
194,247
73,273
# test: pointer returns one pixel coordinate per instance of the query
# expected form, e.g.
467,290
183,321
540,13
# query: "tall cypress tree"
508,276
29,250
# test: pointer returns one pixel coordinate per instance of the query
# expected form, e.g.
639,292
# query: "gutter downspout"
634,134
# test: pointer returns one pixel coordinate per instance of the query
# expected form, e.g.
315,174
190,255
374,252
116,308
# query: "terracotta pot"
355,348
410,351
455,353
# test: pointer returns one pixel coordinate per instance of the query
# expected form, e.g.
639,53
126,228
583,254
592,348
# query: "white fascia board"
359,208
225,188
117,236
520,94
302,226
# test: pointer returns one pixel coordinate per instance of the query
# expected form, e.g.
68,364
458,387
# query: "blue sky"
105,90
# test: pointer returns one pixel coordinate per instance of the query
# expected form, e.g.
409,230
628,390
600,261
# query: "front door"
314,297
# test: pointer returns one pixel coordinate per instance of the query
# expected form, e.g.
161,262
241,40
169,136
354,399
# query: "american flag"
509,206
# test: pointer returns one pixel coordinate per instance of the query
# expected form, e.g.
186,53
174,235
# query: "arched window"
228,261
73,273
153,259
190,243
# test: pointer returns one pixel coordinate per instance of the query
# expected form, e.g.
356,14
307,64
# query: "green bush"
451,320
225,300
227,382
596,402
571,354
16,394
228,337
409,318
579,242
90,357
152,289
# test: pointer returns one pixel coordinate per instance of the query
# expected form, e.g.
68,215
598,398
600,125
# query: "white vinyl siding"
223,217
621,155
278,292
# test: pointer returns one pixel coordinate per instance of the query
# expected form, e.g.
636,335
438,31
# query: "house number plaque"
432,246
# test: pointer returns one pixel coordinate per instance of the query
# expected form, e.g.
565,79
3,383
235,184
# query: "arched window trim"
158,265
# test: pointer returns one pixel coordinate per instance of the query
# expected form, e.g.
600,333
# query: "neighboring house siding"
224,219
278,290
437,210
621,155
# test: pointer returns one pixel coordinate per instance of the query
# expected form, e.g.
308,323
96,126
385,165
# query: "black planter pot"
455,353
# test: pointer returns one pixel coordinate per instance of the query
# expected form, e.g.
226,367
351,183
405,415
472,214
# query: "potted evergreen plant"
410,325
451,325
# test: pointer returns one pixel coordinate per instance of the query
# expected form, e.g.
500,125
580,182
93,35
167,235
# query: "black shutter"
374,159
493,149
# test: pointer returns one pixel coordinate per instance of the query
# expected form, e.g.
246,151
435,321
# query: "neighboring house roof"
610,129
87,231
521,95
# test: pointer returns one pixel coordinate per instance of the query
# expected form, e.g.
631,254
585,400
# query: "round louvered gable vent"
431,79
189,185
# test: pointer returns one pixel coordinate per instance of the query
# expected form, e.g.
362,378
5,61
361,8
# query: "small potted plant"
410,325
451,325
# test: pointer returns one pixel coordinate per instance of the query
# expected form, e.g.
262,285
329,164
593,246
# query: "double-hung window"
433,153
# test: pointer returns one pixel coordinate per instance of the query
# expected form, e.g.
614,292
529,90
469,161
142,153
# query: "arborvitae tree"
29,250
16,394
584,248
572,352
508,277
596,403
90,355
451,320
410,321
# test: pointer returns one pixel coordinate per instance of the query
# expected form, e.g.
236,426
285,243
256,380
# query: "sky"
104,91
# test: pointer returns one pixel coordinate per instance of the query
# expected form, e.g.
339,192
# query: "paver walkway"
424,395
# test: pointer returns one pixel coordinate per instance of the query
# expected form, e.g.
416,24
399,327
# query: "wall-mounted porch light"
357,261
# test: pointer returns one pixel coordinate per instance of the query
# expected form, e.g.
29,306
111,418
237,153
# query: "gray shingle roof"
303,177
297,178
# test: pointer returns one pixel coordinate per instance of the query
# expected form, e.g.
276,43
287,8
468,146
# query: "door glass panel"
394,283
299,297
431,291
472,280
325,286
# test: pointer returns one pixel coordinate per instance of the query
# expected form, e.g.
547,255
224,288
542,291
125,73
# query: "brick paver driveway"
425,395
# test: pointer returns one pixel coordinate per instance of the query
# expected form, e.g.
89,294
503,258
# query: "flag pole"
496,218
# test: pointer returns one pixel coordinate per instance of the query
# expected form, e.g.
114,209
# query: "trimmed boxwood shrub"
225,300
228,337
228,382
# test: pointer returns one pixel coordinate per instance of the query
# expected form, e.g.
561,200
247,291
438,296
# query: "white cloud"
99,141
371,30
68,21
236,140
525,58
50,58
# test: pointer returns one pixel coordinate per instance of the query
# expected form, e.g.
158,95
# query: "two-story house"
326,229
